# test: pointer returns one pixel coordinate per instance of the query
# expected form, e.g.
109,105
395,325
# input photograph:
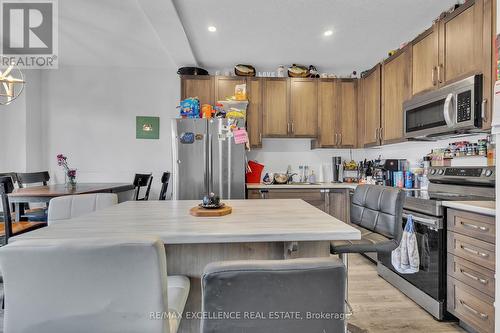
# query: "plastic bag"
405,258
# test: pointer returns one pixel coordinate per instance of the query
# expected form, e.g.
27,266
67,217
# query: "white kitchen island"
256,229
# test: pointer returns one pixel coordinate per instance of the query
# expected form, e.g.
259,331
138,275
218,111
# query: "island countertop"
480,207
256,186
271,220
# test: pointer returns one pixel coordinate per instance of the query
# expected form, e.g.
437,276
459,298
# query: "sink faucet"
290,177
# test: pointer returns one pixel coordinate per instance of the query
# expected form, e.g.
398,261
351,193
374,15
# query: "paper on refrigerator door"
240,136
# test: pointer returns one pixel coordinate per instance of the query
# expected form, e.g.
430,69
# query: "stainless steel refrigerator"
206,159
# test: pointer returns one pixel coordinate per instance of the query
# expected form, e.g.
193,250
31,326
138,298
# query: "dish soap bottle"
312,177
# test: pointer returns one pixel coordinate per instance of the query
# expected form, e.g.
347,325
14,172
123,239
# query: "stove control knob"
440,172
433,171
488,173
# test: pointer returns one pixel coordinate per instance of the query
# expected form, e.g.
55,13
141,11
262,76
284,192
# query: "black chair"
142,180
164,185
30,178
377,212
12,175
10,229
33,179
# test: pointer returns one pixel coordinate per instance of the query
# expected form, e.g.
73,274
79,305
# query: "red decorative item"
254,172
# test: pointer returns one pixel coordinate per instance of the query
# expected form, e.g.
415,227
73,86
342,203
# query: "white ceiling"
267,33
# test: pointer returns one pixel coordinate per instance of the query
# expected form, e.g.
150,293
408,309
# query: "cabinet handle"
340,141
433,76
335,139
288,128
473,277
477,253
439,73
292,128
473,226
260,137
381,134
376,134
481,315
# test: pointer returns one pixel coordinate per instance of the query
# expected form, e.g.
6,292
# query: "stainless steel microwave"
454,109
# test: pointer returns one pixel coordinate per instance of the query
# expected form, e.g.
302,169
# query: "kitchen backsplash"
277,154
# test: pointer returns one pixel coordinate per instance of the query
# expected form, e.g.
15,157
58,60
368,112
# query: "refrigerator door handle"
210,183
229,167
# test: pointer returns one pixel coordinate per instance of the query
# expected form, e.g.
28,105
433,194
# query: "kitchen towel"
405,257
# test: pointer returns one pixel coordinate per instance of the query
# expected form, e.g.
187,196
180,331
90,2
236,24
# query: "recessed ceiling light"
212,28
328,33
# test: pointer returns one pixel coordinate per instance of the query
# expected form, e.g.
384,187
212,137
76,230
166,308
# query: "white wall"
89,114
277,154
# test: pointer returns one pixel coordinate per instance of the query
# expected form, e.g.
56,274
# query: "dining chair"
70,206
303,287
98,285
12,175
142,180
33,179
377,212
8,228
164,185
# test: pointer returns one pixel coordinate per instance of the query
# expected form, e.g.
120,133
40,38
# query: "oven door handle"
448,111
434,224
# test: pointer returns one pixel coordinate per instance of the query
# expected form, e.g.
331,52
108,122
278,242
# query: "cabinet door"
396,88
224,86
254,112
461,42
304,107
425,61
198,86
347,114
371,107
328,105
275,108
313,197
339,204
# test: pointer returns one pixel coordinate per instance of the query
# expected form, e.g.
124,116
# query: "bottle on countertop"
491,150
312,177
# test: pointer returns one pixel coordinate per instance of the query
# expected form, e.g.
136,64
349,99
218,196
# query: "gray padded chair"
376,211
270,286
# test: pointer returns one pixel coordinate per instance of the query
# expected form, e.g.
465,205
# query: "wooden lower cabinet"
335,202
471,269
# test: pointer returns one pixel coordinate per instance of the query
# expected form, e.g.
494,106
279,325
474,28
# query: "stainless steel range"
428,286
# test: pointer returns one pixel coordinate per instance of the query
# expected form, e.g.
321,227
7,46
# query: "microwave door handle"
448,111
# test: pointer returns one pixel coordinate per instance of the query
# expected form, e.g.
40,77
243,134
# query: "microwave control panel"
464,106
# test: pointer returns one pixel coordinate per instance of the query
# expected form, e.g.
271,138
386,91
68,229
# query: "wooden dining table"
43,194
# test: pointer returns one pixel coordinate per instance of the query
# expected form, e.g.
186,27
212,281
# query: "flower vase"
71,183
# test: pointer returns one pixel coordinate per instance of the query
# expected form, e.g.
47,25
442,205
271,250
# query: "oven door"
431,277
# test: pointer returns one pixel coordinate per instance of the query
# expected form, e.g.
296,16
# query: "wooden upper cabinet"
275,108
461,42
347,114
303,107
201,86
327,113
254,112
396,88
371,107
425,61
224,86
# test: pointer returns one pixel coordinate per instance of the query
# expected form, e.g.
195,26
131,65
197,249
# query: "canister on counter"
408,179
399,179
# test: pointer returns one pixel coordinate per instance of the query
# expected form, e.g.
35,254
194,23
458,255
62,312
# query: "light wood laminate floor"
379,307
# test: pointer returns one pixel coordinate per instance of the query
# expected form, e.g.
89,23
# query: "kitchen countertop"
260,186
480,207
274,220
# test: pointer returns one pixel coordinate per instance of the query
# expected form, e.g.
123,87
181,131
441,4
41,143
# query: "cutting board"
203,212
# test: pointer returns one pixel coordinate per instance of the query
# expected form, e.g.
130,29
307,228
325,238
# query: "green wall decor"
147,128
